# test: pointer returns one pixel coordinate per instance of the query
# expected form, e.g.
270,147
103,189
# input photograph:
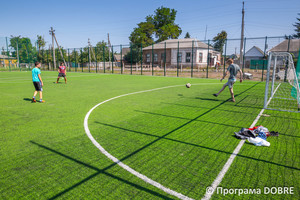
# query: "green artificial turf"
176,136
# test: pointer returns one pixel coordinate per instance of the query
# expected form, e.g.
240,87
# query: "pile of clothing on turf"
256,135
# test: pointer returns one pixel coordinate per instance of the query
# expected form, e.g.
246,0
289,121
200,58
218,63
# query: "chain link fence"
179,57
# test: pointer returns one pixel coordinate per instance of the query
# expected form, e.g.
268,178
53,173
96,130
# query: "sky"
75,21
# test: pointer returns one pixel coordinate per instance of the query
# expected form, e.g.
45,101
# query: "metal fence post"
7,54
244,56
56,56
81,57
141,59
27,53
152,59
53,58
112,59
131,58
18,55
96,59
177,58
121,59
104,58
192,65
42,56
287,62
288,48
267,81
89,59
69,59
38,51
75,58
165,55
48,60
262,73
207,59
224,64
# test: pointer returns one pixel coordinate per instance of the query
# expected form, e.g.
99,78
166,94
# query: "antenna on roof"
242,36
205,32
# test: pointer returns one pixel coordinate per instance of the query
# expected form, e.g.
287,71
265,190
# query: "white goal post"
282,84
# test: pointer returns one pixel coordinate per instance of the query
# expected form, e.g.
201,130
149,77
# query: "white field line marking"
47,77
121,164
222,173
16,80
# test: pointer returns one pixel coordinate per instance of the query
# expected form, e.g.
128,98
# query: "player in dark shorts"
37,82
233,69
62,72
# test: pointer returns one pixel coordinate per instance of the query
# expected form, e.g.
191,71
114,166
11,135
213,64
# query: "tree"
187,35
100,46
164,23
219,41
161,26
27,52
41,44
142,35
134,55
297,28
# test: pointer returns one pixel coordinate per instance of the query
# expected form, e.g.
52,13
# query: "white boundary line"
45,77
210,190
120,163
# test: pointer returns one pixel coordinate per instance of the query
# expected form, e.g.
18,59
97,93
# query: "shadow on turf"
27,99
98,171
235,104
158,114
191,106
192,144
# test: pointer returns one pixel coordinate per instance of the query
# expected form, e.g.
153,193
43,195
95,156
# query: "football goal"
282,86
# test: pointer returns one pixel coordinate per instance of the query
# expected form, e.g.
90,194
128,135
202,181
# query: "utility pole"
242,36
53,50
91,49
54,38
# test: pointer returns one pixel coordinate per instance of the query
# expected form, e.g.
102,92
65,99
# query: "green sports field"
180,138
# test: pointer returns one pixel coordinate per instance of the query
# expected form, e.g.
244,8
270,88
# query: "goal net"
282,86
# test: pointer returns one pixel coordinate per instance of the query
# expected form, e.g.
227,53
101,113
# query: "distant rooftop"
283,46
183,43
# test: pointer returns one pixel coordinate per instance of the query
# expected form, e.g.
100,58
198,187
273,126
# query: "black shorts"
61,75
38,86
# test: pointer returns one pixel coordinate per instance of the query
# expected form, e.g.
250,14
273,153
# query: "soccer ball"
188,85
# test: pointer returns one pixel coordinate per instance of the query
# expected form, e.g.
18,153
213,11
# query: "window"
163,56
200,57
155,57
148,58
188,57
179,57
